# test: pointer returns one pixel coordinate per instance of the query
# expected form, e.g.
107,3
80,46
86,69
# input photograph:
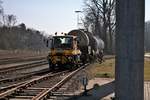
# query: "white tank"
99,44
82,37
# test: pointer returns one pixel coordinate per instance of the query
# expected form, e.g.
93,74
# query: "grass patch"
107,69
147,70
104,70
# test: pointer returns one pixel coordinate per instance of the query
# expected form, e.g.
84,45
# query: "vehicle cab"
64,50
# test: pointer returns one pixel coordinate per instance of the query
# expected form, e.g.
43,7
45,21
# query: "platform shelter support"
129,69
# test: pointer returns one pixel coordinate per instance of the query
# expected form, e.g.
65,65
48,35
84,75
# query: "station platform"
103,89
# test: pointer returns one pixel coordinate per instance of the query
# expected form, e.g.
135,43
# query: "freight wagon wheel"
77,61
73,66
51,67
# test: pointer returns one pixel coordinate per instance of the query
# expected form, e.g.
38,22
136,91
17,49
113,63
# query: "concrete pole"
129,69
78,18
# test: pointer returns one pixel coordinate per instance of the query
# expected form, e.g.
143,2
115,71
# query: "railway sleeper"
23,94
21,98
27,93
20,67
60,97
32,88
60,94
52,98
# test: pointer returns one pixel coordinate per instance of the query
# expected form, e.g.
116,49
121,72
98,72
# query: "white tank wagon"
82,37
91,47
99,44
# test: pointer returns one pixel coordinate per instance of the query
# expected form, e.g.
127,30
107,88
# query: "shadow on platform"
96,93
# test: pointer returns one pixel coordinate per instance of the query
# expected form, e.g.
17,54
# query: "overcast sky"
49,15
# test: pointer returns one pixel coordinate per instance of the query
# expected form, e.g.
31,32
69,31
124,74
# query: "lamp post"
78,19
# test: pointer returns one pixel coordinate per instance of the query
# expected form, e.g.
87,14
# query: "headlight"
70,58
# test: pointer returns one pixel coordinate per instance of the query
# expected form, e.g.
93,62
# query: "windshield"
62,42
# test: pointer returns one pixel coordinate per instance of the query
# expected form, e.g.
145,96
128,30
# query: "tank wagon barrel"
91,46
82,37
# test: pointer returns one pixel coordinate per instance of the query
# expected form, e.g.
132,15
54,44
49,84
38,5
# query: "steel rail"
23,66
29,83
23,77
4,61
11,86
46,92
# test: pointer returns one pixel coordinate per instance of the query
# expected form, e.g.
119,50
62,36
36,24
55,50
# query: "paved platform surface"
103,89
147,90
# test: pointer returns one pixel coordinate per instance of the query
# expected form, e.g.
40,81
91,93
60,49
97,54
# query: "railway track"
13,69
9,83
9,60
12,79
41,87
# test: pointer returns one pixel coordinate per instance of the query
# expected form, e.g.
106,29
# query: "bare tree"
9,20
100,14
1,13
92,19
147,36
6,20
